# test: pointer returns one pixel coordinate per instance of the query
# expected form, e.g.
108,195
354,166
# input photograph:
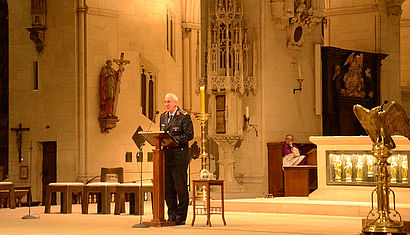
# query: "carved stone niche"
106,124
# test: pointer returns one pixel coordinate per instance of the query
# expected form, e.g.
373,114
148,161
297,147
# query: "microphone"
152,120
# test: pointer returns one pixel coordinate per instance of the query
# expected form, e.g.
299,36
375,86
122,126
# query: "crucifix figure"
293,63
19,132
121,63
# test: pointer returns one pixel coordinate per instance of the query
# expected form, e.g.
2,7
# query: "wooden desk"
298,179
207,209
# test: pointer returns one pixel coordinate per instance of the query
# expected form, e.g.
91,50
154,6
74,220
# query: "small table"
207,209
9,187
297,180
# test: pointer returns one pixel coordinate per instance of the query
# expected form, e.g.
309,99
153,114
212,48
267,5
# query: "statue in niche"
109,81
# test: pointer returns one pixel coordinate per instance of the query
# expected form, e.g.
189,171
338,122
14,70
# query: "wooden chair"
119,171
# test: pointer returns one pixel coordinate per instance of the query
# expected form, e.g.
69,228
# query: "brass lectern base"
160,223
387,227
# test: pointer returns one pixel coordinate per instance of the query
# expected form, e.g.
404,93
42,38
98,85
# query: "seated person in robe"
291,154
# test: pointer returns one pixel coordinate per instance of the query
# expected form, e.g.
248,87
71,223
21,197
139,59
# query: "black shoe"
179,222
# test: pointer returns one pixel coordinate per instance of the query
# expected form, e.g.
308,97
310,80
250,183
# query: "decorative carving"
297,16
353,80
354,84
228,59
394,7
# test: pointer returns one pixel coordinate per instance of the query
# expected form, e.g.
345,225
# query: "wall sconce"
246,121
300,80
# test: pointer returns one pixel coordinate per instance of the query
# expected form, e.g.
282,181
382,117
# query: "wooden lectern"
158,139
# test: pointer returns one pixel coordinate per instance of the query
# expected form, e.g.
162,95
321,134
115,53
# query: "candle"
247,112
299,72
202,90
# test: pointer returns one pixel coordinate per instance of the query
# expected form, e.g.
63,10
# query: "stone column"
389,43
226,146
186,67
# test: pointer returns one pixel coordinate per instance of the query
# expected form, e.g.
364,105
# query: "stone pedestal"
226,145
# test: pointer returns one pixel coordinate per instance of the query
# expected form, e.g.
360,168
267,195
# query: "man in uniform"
179,125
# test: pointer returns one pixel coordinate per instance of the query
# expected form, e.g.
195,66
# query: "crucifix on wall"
19,132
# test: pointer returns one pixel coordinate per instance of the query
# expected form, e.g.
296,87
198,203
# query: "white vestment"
292,159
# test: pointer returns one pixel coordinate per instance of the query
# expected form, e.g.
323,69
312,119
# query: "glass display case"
357,168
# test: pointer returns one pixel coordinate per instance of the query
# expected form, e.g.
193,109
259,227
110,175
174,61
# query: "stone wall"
68,97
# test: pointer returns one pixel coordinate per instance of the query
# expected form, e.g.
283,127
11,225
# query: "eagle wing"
395,120
363,115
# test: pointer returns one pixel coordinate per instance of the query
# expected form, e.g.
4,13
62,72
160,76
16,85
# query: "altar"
346,173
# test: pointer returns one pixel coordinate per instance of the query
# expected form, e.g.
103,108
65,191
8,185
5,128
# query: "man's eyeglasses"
289,139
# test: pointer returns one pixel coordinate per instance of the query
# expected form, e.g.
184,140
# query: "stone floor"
238,223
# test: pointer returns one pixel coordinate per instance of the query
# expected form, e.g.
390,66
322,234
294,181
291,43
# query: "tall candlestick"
202,91
299,72
247,112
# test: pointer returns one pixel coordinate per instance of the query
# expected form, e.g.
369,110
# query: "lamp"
246,121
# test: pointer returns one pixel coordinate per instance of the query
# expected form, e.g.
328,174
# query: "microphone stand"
29,216
141,225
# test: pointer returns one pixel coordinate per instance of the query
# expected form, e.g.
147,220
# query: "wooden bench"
275,172
5,199
136,197
300,180
66,190
104,190
8,188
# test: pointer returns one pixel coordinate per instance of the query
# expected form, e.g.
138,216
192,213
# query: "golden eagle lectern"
380,125
391,121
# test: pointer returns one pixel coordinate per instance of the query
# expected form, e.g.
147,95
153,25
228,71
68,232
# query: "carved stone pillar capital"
394,7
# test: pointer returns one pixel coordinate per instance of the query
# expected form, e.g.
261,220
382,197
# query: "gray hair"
171,95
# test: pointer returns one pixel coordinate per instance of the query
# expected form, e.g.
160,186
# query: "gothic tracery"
228,64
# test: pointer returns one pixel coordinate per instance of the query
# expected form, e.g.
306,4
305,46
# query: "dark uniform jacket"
181,129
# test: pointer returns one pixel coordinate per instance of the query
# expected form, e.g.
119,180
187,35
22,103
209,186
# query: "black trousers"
176,191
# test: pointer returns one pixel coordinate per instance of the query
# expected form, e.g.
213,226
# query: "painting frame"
24,172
